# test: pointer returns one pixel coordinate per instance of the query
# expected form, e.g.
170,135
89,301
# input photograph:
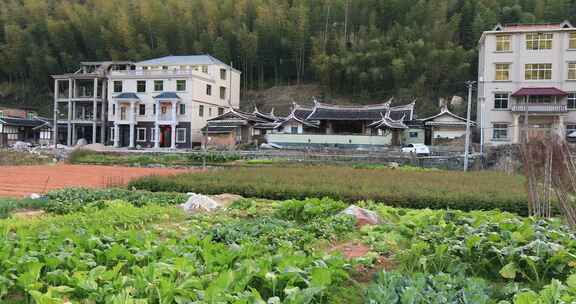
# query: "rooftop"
182,60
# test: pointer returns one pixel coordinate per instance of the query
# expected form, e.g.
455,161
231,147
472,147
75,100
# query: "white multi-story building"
157,103
527,82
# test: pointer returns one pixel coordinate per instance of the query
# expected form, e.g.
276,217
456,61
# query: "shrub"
399,188
309,209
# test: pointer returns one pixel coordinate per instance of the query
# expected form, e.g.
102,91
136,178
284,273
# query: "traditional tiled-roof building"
320,125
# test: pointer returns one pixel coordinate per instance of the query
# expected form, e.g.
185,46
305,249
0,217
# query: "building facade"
23,125
157,103
527,82
444,127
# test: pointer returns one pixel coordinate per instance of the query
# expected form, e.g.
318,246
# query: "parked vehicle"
418,149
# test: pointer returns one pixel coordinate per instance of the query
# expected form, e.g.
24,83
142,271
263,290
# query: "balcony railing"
560,107
166,117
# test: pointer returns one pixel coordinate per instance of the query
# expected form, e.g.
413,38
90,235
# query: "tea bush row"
436,190
145,159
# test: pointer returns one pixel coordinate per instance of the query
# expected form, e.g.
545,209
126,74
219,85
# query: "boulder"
81,142
363,216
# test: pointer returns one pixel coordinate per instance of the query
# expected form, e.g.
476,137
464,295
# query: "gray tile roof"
334,112
127,95
21,122
167,95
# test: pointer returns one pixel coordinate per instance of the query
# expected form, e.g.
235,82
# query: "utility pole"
470,85
526,126
481,126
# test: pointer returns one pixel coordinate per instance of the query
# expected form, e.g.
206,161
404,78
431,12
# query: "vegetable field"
118,246
400,188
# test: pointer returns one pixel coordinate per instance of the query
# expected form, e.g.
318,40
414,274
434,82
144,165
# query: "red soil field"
21,181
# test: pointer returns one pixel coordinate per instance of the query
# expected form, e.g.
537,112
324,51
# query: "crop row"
274,252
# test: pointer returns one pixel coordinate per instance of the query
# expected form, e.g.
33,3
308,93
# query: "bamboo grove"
369,48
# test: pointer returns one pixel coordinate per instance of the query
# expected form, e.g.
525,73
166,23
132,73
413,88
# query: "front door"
124,136
165,137
428,136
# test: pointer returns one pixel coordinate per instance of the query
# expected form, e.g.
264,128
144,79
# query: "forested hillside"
363,48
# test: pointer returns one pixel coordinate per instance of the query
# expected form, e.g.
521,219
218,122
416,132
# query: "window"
113,109
222,93
122,113
182,109
209,112
1,114
223,74
208,90
141,86
540,99
220,111
141,134
501,101
164,67
294,130
153,134
538,71
205,69
572,41
201,110
572,71
503,43
145,68
142,110
117,86
158,85
539,41
572,101
180,85
502,71
154,109
180,135
413,134
163,109
500,132
112,137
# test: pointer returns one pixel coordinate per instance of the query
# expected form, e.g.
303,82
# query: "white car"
418,149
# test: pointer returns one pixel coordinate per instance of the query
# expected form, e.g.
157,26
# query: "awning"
539,92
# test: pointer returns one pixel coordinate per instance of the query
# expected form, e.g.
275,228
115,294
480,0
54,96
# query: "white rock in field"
21,145
363,216
35,196
199,203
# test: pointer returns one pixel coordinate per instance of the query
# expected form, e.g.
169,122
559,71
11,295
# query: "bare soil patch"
28,213
363,274
21,181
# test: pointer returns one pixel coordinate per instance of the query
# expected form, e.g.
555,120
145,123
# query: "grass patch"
148,159
400,188
19,158
9,205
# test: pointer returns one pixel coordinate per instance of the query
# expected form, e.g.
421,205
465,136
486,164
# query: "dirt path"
19,181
